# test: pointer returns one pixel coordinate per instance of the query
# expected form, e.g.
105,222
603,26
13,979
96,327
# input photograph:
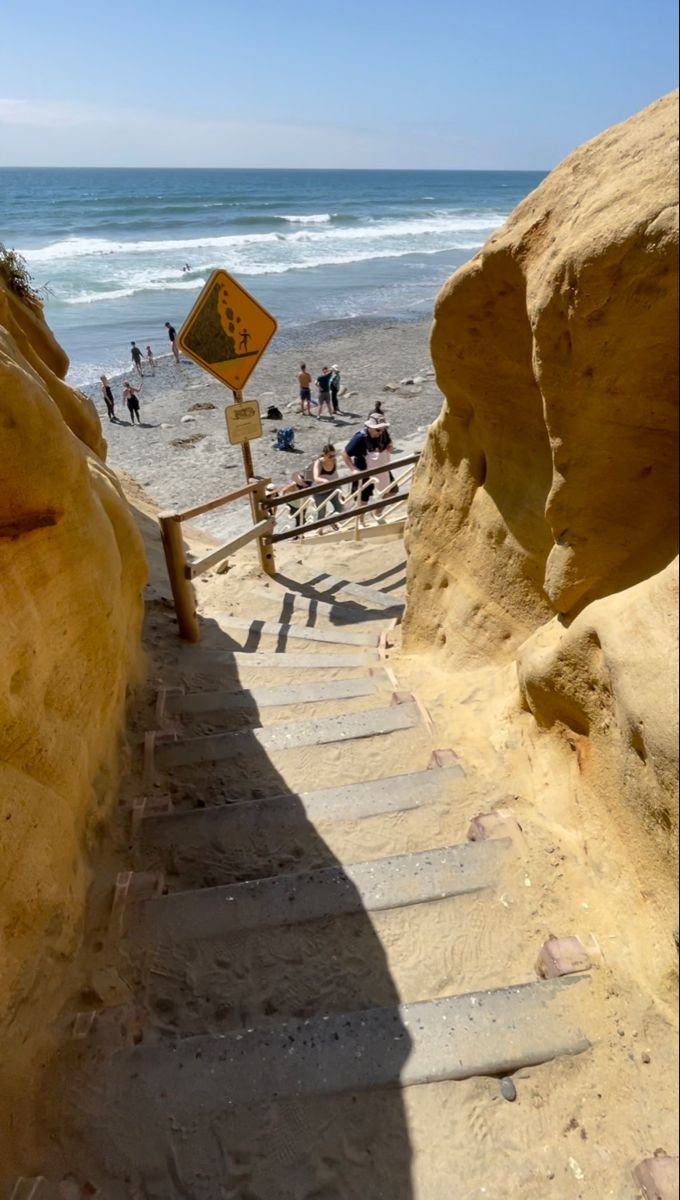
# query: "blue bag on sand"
285,439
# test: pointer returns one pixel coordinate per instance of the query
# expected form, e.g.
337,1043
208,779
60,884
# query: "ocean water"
110,248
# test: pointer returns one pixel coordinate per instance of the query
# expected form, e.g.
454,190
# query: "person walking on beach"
150,360
107,395
130,394
172,334
305,384
325,469
323,384
334,384
136,356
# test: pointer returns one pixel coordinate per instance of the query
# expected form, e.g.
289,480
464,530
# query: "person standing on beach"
107,395
150,361
172,334
334,385
136,356
305,383
130,394
323,383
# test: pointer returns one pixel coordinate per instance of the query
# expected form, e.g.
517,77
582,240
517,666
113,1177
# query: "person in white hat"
335,386
370,448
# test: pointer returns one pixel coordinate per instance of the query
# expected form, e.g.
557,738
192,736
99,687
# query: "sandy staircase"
299,958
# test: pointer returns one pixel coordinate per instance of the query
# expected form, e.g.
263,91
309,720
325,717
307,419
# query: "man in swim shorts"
305,382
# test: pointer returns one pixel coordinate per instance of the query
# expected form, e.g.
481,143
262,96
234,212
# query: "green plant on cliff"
14,272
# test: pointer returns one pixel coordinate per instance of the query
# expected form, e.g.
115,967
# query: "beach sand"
181,454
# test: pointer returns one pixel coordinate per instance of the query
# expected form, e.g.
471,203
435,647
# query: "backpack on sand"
274,413
285,439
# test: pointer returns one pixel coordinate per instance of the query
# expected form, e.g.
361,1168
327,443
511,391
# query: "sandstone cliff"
545,504
72,572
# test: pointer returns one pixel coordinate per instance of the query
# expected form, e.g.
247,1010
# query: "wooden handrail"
332,484
246,490
192,570
336,518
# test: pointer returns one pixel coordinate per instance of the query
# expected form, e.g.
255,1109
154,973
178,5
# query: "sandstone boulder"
542,520
550,477
72,571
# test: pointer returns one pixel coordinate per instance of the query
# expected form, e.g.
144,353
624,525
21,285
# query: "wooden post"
182,591
246,452
260,513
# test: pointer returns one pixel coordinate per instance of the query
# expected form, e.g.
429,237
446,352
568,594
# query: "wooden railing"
181,573
303,504
267,531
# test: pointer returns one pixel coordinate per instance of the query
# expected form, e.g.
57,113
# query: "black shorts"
305,394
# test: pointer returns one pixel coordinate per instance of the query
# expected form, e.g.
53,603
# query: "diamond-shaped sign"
227,331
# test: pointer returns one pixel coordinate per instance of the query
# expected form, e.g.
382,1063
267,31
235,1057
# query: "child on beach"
150,360
107,395
130,394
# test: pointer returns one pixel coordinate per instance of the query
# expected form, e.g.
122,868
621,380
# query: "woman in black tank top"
326,468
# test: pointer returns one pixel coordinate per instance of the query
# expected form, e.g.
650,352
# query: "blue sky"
362,83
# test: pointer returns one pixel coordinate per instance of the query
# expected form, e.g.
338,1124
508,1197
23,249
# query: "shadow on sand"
128,1120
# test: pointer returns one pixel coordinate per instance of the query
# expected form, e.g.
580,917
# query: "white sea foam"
135,290
449,224
310,219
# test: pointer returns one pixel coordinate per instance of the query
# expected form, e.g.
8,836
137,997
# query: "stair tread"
266,697
491,1032
279,659
370,797
289,735
340,636
392,882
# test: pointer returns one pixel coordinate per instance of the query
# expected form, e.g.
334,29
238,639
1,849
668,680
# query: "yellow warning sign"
243,422
227,331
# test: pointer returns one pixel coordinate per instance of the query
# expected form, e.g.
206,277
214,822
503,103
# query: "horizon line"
307,170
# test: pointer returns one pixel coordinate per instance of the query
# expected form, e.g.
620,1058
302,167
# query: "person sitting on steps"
326,468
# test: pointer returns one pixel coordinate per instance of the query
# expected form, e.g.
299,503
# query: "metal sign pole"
245,446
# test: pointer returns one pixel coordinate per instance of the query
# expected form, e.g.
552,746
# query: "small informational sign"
243,422
227,331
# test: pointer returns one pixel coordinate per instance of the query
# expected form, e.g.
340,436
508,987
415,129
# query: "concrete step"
340,636
337,964
329,891
246,840
345,589
285,660
480,1033
287,736
175,702
348,611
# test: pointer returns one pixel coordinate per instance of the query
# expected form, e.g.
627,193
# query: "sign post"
226,333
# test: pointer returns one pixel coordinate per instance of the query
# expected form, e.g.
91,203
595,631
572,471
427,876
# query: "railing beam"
194,569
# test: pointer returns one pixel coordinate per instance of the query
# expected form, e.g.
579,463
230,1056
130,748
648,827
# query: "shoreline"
181,456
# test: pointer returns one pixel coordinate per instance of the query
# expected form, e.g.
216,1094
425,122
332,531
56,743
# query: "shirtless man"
305,382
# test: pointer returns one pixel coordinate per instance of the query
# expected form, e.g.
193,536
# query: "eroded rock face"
545,504
71,575
550,478
611,678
